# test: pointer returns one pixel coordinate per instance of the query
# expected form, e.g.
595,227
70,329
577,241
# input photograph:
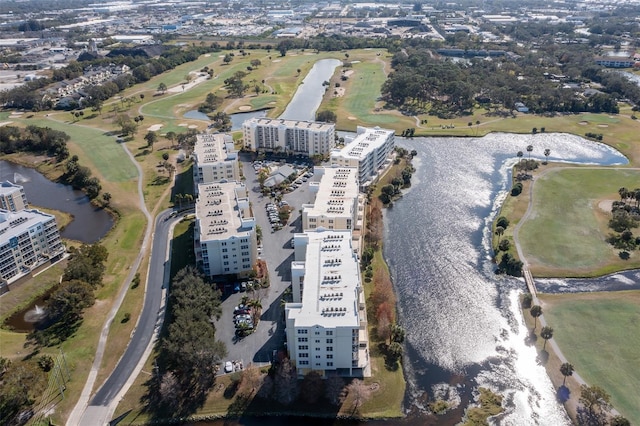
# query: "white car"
228,367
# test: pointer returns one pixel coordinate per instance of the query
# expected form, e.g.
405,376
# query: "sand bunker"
183,124
338,92
583,123
277,60
605,205
206,55
192,126
351,117
4,123
348,73
155,127
272,103
244,108
603,125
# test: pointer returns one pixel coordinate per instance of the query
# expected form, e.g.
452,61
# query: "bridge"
528,279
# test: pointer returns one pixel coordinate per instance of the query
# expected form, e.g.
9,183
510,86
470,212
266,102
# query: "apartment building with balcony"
289,136
326,325
12,197
28,239
215,159
369,152
225,240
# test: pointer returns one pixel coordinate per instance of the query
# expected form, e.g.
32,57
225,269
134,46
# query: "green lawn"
606,352
102,150
564,231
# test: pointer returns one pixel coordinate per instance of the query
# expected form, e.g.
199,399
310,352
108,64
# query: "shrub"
516,190
527,299
503,222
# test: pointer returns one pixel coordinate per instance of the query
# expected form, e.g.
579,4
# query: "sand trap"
355,62
17,113
272,103
192,126
244,108
155,127
206,55
277,60
583,123
338,92
4,123
603,125
183,124
348,73
605,205
351,117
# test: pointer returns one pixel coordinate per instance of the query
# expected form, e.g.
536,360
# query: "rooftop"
314,125
13,224
367,140
222,210
337,192
214,148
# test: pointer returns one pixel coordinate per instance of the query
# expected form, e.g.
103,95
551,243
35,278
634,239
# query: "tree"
546,333
567,370
397,333
312,387
520,154
595,400
502,222
619,421
359,392
165,156
255,63
334,390
20,384
227,59
547,152
106,197
285,383
535,311
326,116
151,137
504,245
171,137
529,150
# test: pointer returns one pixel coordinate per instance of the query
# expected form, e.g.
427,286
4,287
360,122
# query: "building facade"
28,238
215,159
368,152
225,239
338,204
12,197
326,325
290,136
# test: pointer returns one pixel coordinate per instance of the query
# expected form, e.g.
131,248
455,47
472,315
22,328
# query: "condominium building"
225,240
12,197
338,203
215,159
28,238
291,136
369,151
326,325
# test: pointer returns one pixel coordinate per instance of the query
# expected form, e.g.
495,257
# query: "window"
302,339
329,356
329,332
317,349
317,333
304,362
303,347
329,348
304,355
329,340
303,331
329,364
318,341
224,250
226,256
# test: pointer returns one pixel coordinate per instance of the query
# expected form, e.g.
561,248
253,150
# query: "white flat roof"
13,224
331,282
367,140
218,210
314,125
211,148
337,193
9,188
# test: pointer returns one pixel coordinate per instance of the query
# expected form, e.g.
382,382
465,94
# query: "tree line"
34,139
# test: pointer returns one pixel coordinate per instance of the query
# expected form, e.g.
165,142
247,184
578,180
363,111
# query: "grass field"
597,332
565,234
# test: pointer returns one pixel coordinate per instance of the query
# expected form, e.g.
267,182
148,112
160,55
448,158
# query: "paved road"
269,335
105,400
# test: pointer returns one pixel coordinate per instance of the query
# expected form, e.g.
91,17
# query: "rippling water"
461,319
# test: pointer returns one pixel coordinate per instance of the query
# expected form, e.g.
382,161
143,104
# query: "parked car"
228,367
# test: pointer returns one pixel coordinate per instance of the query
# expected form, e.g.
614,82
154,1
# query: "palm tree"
623,193
546,333
636,195
567,370
535,311
547,152
520,154
529,149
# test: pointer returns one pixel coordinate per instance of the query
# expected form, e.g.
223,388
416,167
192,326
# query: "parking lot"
269,335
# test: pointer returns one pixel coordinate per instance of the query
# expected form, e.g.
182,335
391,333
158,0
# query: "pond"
89,223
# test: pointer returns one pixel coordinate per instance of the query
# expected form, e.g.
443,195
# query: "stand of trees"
34,139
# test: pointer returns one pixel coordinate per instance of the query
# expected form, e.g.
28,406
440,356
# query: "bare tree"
334,390
359,392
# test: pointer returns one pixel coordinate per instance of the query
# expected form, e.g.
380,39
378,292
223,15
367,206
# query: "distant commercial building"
215,159
368,152
12,197
326,325
338,204
28,238
297,137
615,62
225,240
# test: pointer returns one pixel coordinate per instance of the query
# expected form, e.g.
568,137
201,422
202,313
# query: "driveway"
258,347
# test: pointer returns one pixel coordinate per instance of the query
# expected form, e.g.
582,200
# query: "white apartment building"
225,240
28,238
12,197
368,151
215,159
338,204
326,325
292,136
